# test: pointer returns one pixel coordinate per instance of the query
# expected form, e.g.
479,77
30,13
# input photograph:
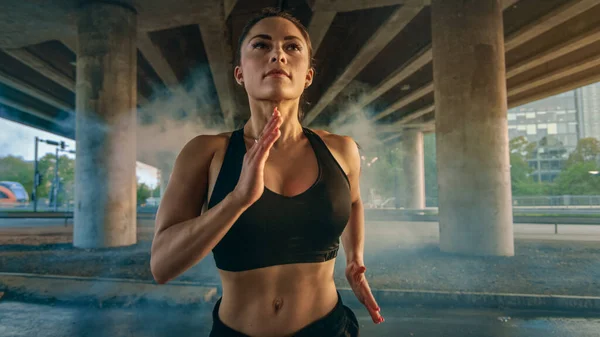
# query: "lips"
277,72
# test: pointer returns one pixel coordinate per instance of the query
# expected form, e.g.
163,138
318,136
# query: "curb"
489,300
104,291
127,292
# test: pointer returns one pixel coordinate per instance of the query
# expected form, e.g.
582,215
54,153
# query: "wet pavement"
19,319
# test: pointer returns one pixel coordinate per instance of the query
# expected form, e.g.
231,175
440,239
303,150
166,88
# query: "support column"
414,169
105,192
165,161
164,180
475,210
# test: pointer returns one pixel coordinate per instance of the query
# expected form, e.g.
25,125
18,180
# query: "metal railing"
567,201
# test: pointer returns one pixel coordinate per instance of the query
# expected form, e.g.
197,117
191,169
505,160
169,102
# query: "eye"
294,46
259,45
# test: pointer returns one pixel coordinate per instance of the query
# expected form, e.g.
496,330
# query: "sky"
18,140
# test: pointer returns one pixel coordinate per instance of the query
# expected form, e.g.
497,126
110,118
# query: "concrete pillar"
164,180
471,127
165,161
105,192
414,169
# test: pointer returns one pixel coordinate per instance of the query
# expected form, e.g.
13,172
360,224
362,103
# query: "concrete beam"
555,75
392,137
382,37
564,87
550,20
411,67
70,43
354,5
406,100
229,5
421,112
42,67
156,59
400,128
555,52
523,35
26,109
33,91
509,3
318,27
220,58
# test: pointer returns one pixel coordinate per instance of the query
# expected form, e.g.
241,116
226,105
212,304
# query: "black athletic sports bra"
277,229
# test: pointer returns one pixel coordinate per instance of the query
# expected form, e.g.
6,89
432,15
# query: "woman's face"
274,61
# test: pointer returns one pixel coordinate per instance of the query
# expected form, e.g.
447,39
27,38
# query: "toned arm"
182,235
345,151
353,237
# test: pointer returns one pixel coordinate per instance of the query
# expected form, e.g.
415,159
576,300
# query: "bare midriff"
278,300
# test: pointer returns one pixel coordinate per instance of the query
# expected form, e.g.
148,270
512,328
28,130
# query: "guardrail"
370,214
427,216
57,215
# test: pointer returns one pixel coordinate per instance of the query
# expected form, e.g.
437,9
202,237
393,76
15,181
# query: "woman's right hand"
251,183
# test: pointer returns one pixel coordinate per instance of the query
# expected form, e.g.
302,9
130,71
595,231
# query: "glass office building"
556,124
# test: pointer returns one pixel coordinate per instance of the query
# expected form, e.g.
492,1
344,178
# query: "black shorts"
340,322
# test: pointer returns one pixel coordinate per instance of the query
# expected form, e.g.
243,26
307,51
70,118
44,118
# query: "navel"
278,304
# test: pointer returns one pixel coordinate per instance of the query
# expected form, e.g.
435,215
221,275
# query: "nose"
278,56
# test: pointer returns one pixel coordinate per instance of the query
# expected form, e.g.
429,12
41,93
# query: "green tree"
587,150
520,149
66,176
14,168
577,180
46,165
143,192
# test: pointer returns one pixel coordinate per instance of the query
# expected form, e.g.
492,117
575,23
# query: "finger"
370,300
375,316
371,303
359,273
268,126
265,145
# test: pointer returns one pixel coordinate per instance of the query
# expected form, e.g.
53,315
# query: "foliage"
143,192
587,150
17,169
577,180
522,147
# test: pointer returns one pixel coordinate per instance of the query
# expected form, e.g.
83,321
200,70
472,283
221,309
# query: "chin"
278,94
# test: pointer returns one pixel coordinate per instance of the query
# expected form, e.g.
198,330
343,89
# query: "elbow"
157,267
158,274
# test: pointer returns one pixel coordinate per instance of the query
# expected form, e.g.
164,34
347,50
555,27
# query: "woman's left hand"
355,273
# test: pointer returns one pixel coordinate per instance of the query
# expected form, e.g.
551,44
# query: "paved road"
25,319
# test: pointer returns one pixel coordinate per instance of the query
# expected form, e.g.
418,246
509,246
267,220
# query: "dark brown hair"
271,12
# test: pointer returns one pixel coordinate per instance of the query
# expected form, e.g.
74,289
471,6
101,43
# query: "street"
27,319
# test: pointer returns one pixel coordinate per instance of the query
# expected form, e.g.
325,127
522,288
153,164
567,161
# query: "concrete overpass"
407,66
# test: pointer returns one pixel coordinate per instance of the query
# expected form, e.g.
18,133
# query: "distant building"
556,123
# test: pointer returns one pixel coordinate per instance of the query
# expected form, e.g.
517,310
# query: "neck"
260,113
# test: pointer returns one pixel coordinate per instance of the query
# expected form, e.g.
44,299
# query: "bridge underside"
172,79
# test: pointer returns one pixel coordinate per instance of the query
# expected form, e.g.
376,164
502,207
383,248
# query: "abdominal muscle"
278,300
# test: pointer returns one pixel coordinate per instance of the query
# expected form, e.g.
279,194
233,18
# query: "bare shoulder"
343,148
203,146
337,142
